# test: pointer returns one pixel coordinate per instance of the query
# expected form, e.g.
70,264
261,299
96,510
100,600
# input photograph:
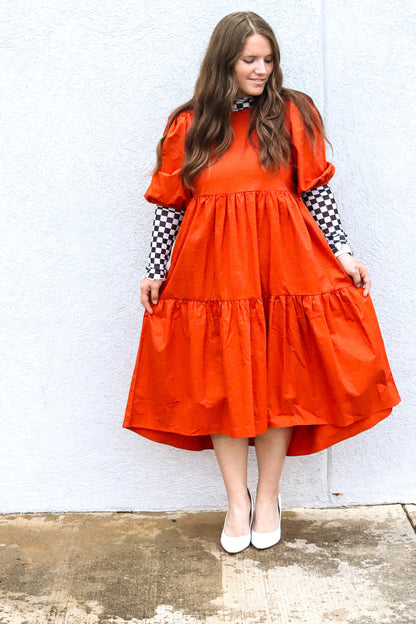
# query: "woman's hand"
356,270
149,292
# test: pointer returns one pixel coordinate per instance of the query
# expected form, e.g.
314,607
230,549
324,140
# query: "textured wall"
86,88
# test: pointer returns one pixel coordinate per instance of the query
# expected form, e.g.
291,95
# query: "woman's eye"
251,60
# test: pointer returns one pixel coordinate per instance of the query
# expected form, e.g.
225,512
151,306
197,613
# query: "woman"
262,332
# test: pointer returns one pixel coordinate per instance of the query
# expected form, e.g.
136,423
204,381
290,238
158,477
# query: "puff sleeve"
311,167
166,187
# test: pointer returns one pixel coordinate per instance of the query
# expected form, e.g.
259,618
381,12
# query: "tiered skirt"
258,326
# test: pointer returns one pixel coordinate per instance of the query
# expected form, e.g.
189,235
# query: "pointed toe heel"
237,544
265,540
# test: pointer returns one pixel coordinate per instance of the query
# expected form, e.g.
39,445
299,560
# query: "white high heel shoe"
239,543
265,540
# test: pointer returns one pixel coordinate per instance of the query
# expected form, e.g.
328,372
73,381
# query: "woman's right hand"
357,271
149,292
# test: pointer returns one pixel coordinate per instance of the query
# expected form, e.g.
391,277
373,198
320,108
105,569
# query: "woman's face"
254,65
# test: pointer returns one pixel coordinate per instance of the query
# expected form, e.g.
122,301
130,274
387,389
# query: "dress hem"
309,435
305,439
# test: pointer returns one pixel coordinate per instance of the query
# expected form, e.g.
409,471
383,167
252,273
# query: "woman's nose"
260,67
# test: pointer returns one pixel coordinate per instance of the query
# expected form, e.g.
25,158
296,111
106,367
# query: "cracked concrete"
354,565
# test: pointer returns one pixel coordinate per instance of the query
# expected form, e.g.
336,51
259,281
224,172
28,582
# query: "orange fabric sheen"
257,324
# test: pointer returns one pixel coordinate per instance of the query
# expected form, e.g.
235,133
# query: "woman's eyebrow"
255,56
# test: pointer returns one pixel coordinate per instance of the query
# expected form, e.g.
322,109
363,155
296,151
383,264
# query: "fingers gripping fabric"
321,204
166,225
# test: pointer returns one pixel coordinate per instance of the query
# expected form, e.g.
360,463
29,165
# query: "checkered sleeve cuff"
166,225
322,206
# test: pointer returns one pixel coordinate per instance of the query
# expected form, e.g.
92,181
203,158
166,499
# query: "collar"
241,103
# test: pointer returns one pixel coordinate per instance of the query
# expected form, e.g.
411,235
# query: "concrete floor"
354,565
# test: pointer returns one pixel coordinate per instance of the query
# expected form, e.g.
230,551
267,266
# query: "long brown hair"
210,133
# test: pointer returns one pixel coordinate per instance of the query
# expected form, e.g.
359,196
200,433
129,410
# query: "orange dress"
257,323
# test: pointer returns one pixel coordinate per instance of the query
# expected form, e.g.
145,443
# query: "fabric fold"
241,373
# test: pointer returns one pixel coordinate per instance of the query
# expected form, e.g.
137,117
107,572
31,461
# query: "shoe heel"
237,544
266,540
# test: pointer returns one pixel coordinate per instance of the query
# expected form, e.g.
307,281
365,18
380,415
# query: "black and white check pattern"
165,229
321,204
319,201
241,103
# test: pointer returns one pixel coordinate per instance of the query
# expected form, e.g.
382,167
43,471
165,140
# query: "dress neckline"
243,102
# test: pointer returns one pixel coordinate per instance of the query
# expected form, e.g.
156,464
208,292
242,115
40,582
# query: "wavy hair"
210,133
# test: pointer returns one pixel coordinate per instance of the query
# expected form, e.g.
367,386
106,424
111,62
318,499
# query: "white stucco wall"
85,90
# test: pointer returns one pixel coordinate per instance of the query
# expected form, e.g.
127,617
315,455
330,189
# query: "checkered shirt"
244,102
321,204
166,224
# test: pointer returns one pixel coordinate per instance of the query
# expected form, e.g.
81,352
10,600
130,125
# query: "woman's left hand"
356,270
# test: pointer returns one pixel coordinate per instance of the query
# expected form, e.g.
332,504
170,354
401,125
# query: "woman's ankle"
267,494
239,499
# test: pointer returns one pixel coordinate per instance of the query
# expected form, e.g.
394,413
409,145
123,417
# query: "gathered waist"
246,192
